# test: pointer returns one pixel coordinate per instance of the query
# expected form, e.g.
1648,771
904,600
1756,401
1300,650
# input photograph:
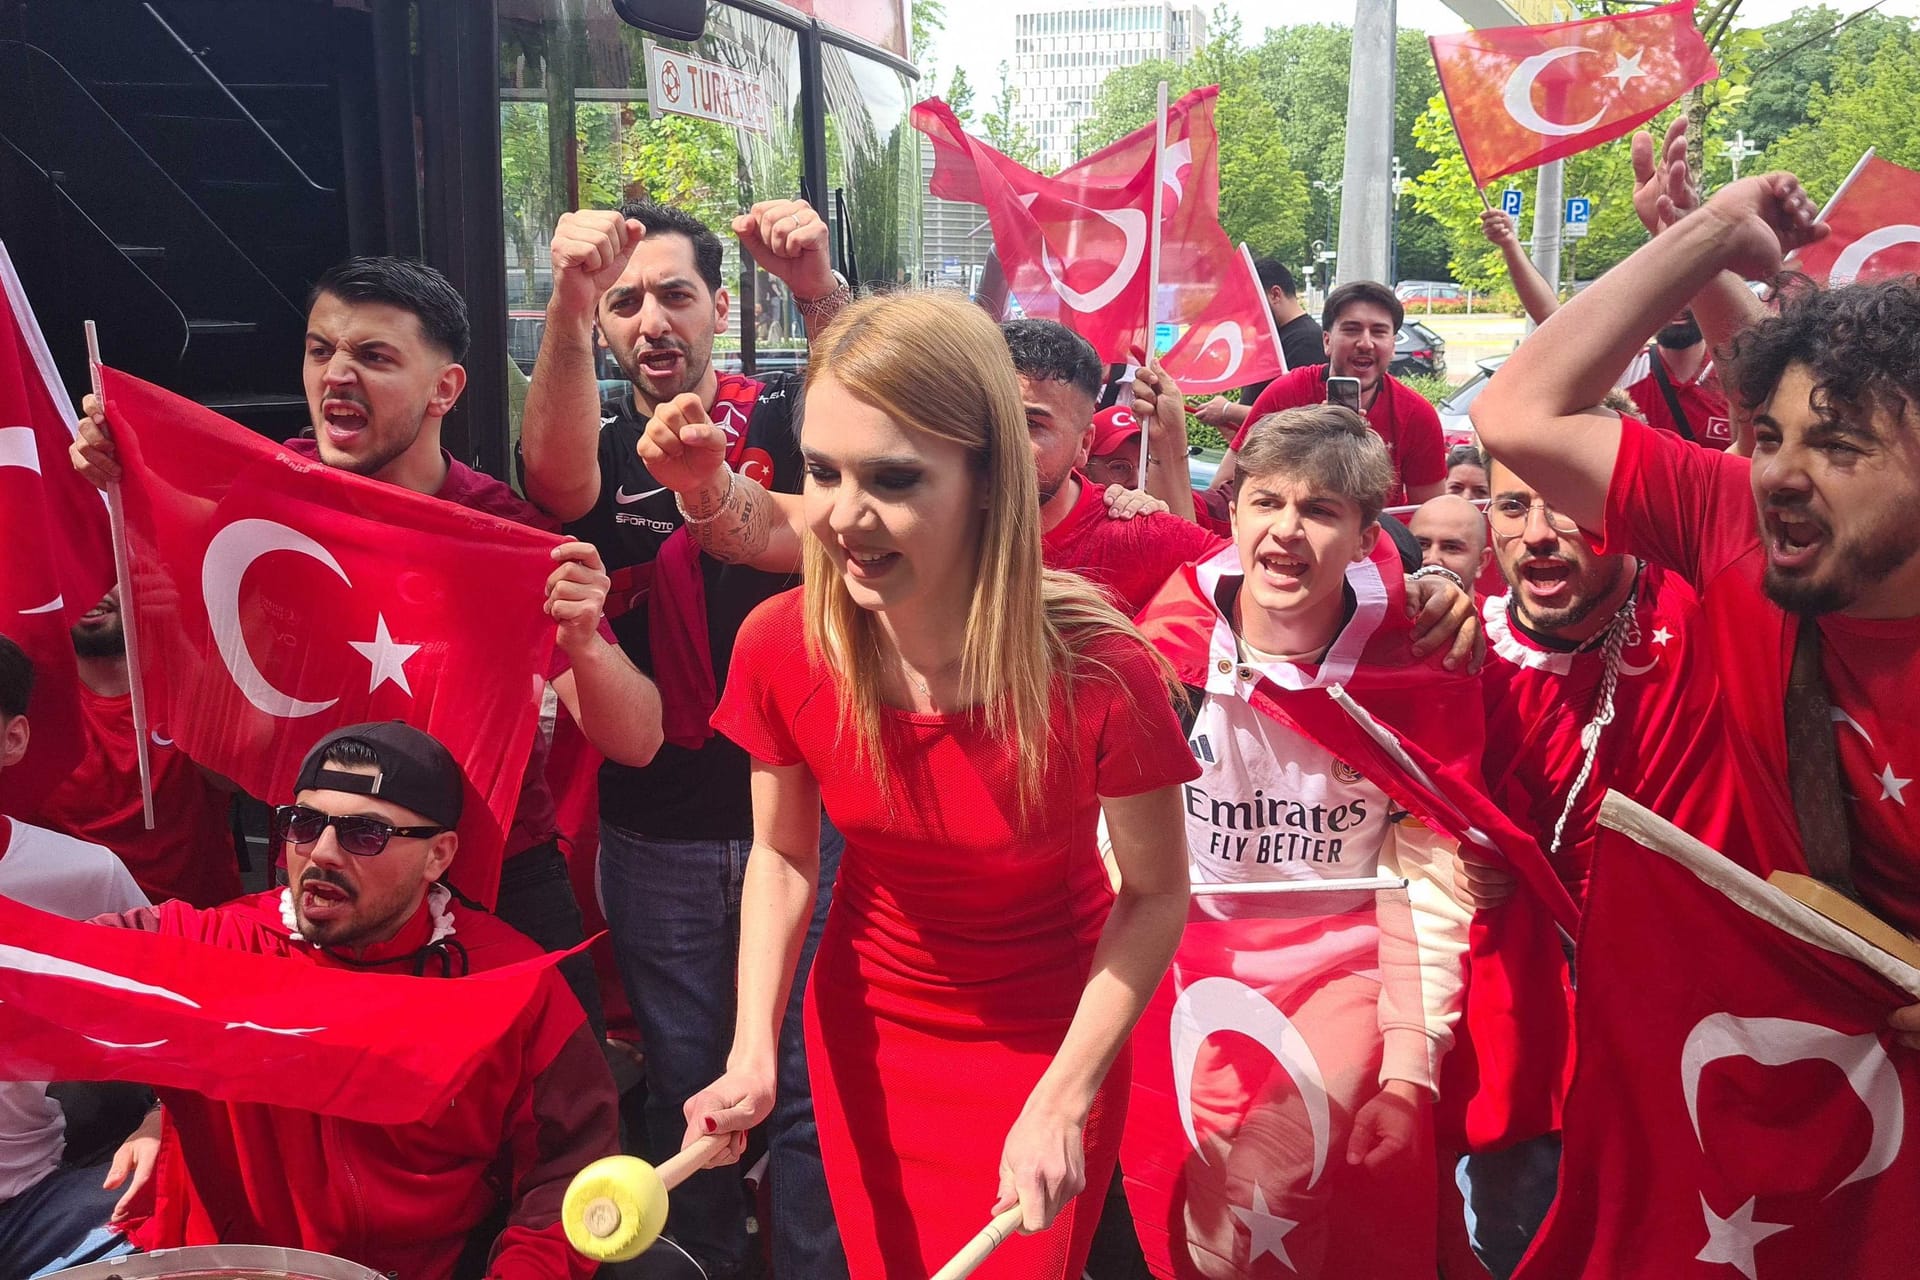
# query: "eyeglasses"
1509,516
358,834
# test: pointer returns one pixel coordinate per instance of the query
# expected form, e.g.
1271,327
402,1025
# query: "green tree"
1783,63
1011,138
1869,104
959,95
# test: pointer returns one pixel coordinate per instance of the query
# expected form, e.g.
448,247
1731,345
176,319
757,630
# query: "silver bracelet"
713,515
1440,571
828,304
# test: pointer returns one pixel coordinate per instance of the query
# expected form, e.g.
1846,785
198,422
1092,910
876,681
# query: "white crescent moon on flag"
1775,1042
19,449
1519,94
230,553
1132,224
1224,1004
1853,258
1177,156
1228,332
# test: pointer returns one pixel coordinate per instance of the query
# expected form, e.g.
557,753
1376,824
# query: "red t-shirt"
1665,737
1131,559
534,817
1701,399
1399,415
189,853
1692,509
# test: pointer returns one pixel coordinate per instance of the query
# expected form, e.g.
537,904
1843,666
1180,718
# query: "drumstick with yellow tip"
975,1251
615,1207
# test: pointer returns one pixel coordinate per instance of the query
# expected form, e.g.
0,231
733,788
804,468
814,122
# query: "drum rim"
221,1260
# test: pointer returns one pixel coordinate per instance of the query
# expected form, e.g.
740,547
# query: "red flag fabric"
1418,734
1521,96
1873,228
59,550
1234,343
90,1002
1249,1065
1075,247
1739,1106
278,599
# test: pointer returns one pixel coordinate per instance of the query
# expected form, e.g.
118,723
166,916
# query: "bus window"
873,157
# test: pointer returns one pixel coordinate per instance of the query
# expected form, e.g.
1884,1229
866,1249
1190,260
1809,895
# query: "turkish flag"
93,1002
279,599
1740,1105
1872,219
1249,1065
1234,342
59,547
1075,247
1521,96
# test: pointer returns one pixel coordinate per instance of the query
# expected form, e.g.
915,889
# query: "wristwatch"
827,304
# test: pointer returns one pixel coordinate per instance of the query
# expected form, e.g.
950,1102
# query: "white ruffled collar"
438,909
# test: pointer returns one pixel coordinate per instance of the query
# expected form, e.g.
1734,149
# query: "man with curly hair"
1808,550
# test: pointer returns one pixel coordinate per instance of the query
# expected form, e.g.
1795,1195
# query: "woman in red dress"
965,717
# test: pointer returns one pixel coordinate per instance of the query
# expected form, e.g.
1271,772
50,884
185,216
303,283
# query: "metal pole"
1548,199
1366,182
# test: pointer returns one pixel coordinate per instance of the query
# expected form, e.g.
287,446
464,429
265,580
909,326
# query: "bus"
181,171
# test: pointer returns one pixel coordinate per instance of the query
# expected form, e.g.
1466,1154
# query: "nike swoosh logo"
622,497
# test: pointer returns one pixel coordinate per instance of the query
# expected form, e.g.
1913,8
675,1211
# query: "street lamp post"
1332,192
1737,148
1393,224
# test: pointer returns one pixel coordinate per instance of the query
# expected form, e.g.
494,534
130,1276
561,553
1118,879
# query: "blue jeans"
1508,1194
59,1222
674,910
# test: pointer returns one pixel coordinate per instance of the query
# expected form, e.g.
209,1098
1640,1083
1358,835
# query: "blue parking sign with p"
1510,202
1579,209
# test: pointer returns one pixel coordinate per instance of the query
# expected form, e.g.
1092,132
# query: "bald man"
1453,534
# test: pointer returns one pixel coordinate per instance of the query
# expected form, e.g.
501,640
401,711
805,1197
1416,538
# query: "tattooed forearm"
739,527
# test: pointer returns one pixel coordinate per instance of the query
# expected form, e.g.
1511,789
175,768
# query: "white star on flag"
1625,69
1732,1240
1662,636
1891,786
1268,1232
388,658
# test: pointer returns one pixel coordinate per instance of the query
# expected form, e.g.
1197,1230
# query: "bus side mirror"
674,19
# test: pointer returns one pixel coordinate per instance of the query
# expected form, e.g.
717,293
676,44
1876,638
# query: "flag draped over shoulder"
57,560
1076,247
1249,1065
1873,232
278,599
1740,1107
1521,96
91,1002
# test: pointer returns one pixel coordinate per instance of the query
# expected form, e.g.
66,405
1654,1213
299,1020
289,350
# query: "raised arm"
1539,414
1535,296
1162,411
560,430
616,706
730,516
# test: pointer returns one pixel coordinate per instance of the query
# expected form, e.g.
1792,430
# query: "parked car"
1418,350
1412,291
1203,465
1455,425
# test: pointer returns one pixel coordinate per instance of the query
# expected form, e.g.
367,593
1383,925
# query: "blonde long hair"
937,363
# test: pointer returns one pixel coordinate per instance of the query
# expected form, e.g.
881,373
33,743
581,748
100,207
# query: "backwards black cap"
414,770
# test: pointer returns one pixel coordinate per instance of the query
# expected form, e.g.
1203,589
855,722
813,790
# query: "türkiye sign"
682,85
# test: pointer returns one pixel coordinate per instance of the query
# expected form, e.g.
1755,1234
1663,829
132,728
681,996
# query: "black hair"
1357,291
1462,454
1273,273
1048,351
351,753
16,679
1860,342
660,219
408,284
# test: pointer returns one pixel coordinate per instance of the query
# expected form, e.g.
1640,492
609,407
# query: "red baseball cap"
1112,428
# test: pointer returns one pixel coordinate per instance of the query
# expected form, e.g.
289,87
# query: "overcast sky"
979,33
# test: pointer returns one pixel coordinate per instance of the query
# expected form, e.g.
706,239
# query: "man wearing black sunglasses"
366,840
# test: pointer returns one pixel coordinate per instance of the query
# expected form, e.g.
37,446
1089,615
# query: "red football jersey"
1692,509
1662,748
1700,397
1132,559
1399,415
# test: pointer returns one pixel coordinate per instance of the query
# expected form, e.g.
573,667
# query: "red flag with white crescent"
1249,1065
278,599
90,1002
59,549
1521,96
1234,342
1740,1105
1874,225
